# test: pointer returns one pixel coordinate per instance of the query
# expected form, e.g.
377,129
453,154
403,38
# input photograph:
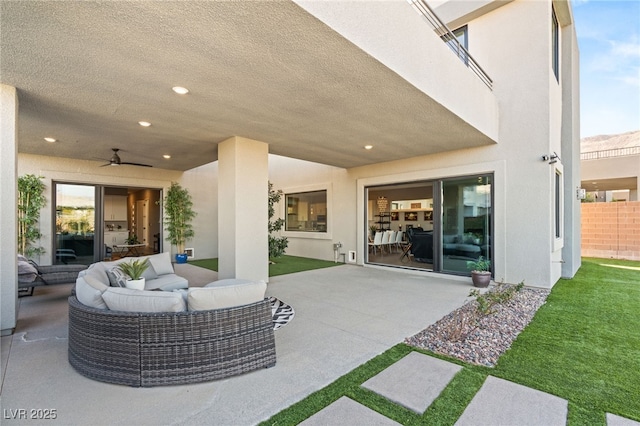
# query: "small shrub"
465,321
134,268
277,245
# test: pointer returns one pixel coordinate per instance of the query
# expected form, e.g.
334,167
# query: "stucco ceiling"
87,72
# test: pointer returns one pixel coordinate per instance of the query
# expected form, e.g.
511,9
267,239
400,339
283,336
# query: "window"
306,211
555,44
558,205
458,43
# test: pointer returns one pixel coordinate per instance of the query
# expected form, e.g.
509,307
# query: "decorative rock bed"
484,341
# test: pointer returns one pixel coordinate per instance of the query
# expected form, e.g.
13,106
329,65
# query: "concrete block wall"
611,230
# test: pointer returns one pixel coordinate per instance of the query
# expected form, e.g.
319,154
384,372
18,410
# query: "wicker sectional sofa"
152,349
178,336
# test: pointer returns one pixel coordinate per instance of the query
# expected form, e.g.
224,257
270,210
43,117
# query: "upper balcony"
420,49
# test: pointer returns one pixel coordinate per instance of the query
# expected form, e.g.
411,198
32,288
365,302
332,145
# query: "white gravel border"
485,343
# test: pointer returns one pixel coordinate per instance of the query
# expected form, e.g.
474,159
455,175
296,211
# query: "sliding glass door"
466,221
437,225
75,223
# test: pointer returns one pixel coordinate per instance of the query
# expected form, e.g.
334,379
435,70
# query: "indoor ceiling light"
50,139
180,90
368,147
166,156
144,123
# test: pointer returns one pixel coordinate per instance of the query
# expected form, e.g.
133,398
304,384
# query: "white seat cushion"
128,300
225,294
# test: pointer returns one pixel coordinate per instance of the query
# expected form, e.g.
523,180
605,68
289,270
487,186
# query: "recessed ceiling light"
166,156
180,90
50,139
144,123
368,147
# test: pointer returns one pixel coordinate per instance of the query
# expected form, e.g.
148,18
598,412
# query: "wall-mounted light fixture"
552,158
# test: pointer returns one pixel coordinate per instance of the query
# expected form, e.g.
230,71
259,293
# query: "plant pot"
181,258
481,278
135,284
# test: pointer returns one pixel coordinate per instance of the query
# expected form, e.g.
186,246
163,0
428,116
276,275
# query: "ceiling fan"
115,160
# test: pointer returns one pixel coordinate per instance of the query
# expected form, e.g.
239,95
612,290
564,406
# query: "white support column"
8,200
243,176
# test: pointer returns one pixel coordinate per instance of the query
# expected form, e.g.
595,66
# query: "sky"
609,42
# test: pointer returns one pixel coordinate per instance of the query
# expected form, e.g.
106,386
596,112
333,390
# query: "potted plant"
134,269
480,271
178,215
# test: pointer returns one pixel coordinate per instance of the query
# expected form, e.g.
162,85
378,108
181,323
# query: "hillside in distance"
604,142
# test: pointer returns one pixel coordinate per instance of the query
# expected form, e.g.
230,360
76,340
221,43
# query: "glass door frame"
438,220
97,228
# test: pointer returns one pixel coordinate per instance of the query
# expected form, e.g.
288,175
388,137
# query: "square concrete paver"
500,402
346,411
613,420
414,381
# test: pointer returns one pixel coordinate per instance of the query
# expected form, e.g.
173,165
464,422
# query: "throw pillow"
27,271
150,273
89,290
117,278
162,263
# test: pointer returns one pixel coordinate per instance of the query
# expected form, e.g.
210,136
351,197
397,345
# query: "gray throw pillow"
117,278
150,273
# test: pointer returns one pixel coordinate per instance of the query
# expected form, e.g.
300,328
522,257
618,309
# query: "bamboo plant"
179,213
31,200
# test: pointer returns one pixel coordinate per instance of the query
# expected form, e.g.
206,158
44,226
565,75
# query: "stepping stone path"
416,380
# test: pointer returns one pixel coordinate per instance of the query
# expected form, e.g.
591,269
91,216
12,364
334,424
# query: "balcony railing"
451,40
608,153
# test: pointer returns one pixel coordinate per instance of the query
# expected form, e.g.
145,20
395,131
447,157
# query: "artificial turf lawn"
281,266
583,345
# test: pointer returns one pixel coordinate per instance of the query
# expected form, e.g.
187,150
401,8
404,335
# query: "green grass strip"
289,264
211,264
451,403
346,385
583,345
282,265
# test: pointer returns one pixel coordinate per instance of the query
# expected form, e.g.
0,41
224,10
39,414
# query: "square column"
8,200
243,184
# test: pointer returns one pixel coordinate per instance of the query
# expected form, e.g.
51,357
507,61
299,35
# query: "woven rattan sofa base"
153,349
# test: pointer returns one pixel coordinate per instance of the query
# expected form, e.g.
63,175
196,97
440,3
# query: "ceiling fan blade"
136,164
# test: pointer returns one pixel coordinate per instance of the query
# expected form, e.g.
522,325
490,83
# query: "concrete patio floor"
345,316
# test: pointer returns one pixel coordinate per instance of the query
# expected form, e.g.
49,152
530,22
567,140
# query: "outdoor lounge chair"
31,275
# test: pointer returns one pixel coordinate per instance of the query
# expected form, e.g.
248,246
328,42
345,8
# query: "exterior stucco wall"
202,183
533,123
530,126
570,74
